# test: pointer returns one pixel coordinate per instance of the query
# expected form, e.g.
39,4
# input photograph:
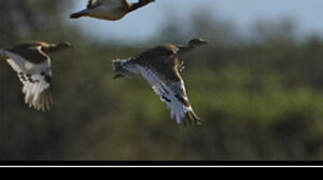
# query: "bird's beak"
70,45
118,76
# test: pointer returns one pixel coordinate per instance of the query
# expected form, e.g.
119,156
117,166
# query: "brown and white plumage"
111,10
160,67
33,66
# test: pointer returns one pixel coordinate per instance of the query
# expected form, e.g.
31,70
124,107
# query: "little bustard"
161,68
33,66
111,10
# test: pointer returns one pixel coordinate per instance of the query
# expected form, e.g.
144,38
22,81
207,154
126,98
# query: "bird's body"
111,10
160,67
33,66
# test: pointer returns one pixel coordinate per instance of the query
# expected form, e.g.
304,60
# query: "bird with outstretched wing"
33,67
110,10
161,67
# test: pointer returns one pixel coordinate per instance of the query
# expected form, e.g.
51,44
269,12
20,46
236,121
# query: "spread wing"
36,79
173,93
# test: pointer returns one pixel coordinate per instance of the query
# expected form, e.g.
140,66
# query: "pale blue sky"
145,22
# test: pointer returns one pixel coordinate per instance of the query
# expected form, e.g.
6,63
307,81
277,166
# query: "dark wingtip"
146,1
73,16
192,120
76,15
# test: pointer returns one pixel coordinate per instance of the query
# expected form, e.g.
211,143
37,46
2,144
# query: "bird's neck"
53,48
185,49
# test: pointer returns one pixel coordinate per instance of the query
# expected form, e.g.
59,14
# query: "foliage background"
261,97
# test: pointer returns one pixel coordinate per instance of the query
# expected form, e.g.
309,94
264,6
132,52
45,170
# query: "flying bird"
161,68
33,66
111,10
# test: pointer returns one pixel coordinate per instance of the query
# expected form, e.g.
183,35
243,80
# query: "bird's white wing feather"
35,79
37,91
168,93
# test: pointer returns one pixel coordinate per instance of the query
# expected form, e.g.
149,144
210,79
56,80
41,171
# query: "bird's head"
196,42
64,45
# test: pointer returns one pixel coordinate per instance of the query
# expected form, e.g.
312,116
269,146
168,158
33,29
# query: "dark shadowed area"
261,96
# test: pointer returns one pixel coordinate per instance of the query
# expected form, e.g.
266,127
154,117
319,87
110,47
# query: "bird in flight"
161,68
111,10
33,66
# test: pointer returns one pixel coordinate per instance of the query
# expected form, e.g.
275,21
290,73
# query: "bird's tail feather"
122,68
118,68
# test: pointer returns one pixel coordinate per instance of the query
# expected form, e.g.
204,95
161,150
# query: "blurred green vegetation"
261,97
